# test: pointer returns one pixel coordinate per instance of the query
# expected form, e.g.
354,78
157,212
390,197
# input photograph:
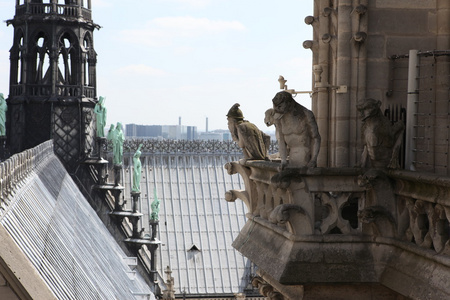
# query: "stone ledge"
344,259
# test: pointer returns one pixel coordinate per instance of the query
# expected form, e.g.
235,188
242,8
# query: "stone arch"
67,68
39,50
89,60
17,57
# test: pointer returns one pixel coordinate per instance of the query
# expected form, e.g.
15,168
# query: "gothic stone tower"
52,78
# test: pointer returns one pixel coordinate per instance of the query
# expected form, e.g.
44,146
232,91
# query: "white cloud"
100,3
193,3
190,26
162,31
225,70
182,50
297,62
142,70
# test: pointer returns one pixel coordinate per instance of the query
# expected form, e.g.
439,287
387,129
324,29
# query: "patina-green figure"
120,138
111,132
116,136
137,168
100,111
155,208
111,135
3,109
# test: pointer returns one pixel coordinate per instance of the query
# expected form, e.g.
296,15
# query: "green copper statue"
100,111
112,135
137,168
116,136
111,132
155,208
3,109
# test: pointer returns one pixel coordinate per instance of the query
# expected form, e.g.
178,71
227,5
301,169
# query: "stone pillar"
442,75
343,75
320,83
117,173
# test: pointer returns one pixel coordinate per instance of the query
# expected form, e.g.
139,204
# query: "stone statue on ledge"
154,216
296,131
137,168
116,136
381,138
3,109
254,142
100,112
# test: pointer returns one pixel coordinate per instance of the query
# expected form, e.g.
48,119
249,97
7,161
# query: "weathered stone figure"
100,112
254,142
137,168
382,140
297,132
3,109
269,120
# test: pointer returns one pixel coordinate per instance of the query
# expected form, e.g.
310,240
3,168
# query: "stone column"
343,74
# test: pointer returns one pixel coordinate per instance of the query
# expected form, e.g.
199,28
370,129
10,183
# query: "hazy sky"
159,60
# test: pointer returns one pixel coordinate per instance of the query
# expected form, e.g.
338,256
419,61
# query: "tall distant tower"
52,78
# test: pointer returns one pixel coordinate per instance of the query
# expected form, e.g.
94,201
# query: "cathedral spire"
52,77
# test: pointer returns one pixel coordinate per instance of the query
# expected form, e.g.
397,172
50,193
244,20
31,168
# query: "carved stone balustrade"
345,226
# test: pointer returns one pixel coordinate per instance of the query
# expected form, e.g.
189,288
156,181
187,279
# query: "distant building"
220,135
210,136
175,132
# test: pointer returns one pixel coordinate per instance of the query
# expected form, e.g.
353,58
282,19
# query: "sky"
159,60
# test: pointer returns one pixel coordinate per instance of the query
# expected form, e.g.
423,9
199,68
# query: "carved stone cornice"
266,289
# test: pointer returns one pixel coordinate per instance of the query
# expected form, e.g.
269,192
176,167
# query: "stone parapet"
18,166
346,226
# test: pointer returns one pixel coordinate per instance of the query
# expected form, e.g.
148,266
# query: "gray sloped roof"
67,243
197,225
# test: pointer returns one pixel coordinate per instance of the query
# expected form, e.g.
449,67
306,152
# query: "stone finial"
382,140
296,131
169,294
254,142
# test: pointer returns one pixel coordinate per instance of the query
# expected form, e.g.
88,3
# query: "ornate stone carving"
254,142
429,225
335,203
382,140
250,187
294,217
297,132
266,289
382,221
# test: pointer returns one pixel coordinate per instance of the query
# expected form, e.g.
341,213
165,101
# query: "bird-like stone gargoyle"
250,138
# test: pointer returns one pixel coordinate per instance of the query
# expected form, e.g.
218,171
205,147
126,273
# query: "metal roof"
197,225
62,236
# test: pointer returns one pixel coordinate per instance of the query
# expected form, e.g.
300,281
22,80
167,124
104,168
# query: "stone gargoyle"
381,138
296,131
254,142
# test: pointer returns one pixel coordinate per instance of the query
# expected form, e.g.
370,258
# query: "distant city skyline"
159,60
